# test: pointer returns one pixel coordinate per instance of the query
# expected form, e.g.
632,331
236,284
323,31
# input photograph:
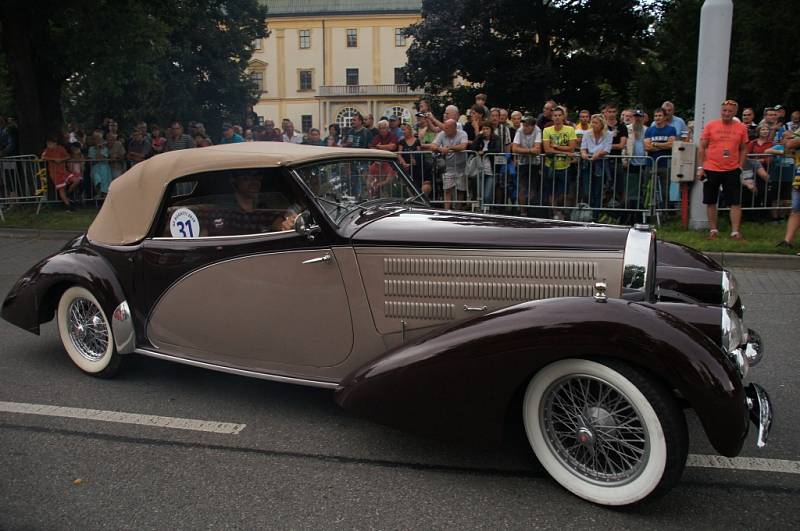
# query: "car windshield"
343,186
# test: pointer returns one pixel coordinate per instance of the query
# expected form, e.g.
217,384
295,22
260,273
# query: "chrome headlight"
730,293
734,333
734,336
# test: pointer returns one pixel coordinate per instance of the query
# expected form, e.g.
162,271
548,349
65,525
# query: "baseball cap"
226,126
638,112
529,119
778,107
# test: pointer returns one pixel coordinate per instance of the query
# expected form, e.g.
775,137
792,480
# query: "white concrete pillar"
713,52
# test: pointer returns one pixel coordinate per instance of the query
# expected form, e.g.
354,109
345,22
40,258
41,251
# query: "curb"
757,260
40,234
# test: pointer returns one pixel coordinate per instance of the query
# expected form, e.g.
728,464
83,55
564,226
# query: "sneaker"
712,234
737,236
785,244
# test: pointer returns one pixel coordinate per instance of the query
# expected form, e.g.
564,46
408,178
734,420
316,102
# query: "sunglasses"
730,102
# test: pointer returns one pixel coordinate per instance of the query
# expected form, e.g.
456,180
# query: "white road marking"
122,417
743,463
693,460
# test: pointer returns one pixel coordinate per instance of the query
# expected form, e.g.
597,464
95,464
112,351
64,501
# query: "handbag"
474,167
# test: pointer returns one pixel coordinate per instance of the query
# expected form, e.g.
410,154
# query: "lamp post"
713,52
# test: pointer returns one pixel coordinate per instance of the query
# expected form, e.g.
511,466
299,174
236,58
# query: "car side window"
230,203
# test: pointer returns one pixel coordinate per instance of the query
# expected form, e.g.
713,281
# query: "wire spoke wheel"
594,429
88,329
86,333
605,431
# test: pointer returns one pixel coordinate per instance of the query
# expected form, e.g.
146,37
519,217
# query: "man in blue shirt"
681,130
229,136
658,141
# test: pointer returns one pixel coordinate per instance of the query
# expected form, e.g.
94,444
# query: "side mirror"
303,225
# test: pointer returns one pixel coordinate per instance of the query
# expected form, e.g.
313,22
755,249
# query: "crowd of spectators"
600,160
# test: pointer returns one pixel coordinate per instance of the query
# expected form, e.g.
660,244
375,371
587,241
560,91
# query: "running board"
239,372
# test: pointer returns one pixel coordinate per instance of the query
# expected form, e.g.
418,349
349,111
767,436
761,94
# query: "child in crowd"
101,171
56,156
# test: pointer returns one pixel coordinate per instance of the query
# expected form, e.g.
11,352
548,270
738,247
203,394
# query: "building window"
345,117
352,38
305,39
399,37
306,81
258,80
399,76
400,112
305,123
256,44
352,76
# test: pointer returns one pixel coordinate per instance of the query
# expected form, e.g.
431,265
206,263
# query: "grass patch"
51,217
759,237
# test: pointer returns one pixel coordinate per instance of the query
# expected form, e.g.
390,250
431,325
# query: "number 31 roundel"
184,224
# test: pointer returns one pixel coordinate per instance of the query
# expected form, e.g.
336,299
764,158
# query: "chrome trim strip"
266,235
122,326
637,259
759,407
239,372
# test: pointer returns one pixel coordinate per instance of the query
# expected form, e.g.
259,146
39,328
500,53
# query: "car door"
269,300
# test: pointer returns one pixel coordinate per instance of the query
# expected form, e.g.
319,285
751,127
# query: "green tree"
764,67
521,52
129,59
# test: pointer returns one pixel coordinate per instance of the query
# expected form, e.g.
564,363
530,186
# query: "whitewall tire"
86,333
605,431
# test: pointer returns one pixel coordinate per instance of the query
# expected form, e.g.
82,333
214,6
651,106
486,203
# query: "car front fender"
34,297
459,382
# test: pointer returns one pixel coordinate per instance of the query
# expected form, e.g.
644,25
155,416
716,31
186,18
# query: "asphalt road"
300,462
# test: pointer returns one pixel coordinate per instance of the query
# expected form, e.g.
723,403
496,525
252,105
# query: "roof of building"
287,8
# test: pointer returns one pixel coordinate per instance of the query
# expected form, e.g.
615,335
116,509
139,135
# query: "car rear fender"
459,382
34,297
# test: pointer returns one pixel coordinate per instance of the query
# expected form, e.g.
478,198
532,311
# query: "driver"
247,215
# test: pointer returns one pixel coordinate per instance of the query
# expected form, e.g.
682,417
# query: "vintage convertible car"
325,267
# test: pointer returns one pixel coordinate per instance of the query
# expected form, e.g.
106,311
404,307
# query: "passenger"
247,214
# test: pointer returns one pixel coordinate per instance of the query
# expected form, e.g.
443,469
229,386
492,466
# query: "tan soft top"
133,197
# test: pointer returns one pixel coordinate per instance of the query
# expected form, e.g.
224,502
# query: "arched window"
345,116
400,112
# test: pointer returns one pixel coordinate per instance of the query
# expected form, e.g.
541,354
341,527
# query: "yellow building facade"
325,60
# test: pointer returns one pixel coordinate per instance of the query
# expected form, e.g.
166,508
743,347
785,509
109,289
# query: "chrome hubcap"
87,329
594,430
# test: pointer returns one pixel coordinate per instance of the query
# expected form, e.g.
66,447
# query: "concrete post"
713,52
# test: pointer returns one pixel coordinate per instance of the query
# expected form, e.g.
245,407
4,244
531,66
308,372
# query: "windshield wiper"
416,199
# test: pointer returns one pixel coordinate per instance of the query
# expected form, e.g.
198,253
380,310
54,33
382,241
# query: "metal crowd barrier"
427,169
615,187
24,179
568,186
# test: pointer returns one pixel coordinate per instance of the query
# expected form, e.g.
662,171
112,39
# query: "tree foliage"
130,59
522,52
764,67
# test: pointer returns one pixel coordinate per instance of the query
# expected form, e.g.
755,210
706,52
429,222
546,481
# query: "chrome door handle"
326,258
475,308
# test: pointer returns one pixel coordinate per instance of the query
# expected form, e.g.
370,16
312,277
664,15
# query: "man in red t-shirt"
56,156
720,157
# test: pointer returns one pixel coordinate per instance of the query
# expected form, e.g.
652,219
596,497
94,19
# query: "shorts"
454,180
731,187
65,179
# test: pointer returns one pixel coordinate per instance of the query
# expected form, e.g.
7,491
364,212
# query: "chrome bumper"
759,408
